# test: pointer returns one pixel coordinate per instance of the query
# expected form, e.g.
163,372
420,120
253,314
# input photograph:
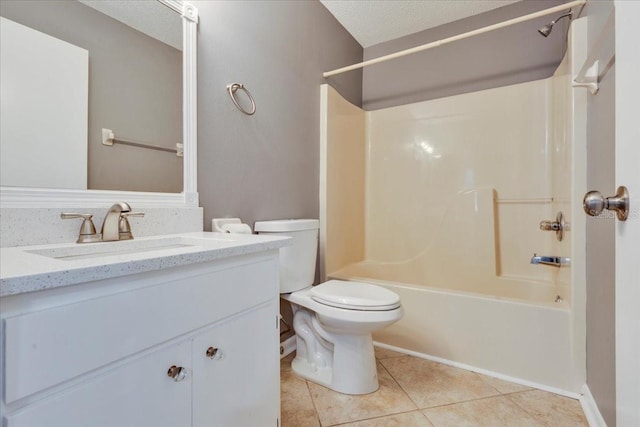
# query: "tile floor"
419,393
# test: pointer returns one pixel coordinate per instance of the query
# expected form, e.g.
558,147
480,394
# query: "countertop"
33,268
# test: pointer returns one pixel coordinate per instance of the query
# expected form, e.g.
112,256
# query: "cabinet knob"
214,353
178,373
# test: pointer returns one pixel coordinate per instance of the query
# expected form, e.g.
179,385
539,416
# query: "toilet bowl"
334,343
333,321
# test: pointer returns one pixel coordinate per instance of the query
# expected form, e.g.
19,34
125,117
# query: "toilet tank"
298,261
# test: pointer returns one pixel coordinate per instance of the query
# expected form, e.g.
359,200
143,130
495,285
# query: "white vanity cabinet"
99,353
229,379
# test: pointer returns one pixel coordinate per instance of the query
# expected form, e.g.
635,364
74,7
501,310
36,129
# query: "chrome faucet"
110,230
554,261
114,227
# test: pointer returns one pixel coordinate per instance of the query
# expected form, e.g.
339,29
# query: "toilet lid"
355,296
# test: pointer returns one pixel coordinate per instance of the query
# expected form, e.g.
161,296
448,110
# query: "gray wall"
266,166
135,89
503,57
601,365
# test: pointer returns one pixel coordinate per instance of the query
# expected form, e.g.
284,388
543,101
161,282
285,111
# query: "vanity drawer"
45,348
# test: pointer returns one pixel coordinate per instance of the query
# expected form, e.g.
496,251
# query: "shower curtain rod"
468,34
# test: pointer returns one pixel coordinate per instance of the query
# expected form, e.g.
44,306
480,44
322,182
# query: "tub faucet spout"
554,261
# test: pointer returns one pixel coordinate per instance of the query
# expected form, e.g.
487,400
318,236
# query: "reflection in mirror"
68,71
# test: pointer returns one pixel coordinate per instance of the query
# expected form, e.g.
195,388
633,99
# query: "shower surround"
440,201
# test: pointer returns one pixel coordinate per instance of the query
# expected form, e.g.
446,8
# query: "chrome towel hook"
232,89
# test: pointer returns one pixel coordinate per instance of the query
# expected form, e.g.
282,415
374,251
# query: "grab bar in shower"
541,200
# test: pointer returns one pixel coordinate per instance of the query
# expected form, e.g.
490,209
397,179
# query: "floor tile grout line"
486,382
315,411
422,411
392,357
436,406
524,391
466,401
375,418
416,408
479,375
529,412
400,385
524,411
499,393
313,402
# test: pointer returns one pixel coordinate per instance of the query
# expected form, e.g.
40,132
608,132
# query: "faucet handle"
559,226
124,228
87,229
126,214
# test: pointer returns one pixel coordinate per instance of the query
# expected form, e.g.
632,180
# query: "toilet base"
351,370
310,372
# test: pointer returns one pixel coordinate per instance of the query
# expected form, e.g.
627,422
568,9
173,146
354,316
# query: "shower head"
546,30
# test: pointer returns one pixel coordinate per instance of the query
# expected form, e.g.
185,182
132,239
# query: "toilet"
333,321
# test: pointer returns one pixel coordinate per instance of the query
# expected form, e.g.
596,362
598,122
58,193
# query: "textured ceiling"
149,17
375,21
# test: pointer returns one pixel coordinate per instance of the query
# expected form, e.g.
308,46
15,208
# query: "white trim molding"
184,8
482,371
14,197
21,197
190,106
590,408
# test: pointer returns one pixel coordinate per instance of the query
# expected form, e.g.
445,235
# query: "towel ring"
232,89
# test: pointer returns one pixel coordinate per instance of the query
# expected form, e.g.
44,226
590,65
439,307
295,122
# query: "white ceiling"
369,21
375,21
149,17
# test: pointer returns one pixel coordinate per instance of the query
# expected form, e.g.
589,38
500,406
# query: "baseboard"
287,346
590,408
520,381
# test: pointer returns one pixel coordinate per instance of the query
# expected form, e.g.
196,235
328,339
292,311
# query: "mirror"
85,72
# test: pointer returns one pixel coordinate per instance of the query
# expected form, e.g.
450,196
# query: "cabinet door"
239,386
135,394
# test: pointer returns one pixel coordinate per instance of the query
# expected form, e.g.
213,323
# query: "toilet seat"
354,296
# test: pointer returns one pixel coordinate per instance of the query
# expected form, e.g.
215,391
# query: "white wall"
600,231
425,158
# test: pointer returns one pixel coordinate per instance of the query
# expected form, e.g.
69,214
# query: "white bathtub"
440,201
537,292
521,335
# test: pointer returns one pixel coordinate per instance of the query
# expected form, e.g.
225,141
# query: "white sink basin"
96,250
